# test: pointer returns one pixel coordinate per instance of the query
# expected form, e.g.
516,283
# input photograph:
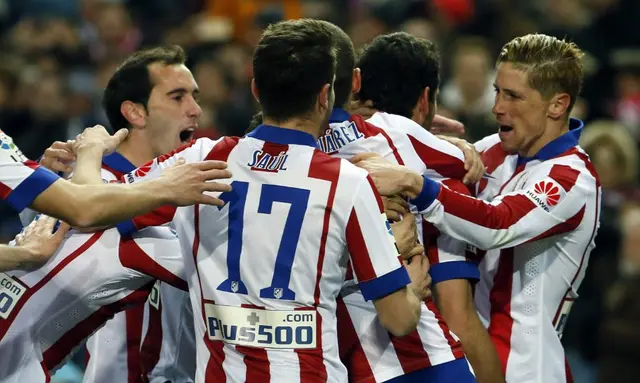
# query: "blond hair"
552,65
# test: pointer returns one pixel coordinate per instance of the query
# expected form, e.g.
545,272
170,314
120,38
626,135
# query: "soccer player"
153,95
294,219
23,183
47,313
543,209
400,75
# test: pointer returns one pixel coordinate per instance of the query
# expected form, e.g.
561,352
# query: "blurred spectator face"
471,69
210,77
420,28
519,109
607,163
630,225
49,100
173,111
113,24
237,61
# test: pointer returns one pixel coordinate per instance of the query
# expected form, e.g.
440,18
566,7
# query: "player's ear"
558,105
324,97
136,114
423,101
254,90
356,81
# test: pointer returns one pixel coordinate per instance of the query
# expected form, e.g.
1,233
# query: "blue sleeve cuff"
385,284
29,189
454,270
126,227
428,194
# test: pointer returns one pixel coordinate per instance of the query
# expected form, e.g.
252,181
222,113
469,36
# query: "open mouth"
505,128
186,135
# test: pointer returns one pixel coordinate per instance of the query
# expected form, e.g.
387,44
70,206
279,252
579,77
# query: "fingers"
63,229
209,200
120,135
46,225
208,165
216,187
215,174
362,156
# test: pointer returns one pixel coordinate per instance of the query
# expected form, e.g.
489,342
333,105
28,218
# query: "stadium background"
56,56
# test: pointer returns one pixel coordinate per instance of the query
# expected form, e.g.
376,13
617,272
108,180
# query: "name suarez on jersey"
335,138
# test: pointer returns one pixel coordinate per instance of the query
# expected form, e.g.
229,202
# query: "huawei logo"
142,171
548,190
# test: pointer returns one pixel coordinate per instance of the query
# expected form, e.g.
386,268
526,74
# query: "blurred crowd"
57,56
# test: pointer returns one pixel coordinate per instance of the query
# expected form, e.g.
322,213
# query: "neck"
553,130
136,149
301,124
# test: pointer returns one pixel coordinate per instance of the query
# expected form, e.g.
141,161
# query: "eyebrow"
507,90
182,90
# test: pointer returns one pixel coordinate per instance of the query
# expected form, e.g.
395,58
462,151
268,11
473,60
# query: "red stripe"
158,217
501,324
111,170
361,262
47,376
456,346
152,344
134,317
567,370
370,130
64,346
350,348
445,164
507,213
4,191
214,371
133,257
565,175
493,157
563,227
589,166
6,324
325,168
410,352
31,164
166,156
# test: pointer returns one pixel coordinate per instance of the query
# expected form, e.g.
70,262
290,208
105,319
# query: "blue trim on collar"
339,115
118,162
282,136
559,145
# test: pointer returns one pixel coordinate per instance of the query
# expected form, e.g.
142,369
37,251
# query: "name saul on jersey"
263,161
280,329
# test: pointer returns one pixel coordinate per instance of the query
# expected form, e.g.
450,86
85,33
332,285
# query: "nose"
498,106
194,110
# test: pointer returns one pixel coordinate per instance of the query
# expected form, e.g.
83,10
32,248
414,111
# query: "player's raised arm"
381,276
549,203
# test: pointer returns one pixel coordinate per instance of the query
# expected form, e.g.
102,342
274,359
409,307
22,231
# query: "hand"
390,179
405,233
364,109
472,160
418,269
97,138
395,207
444,125
186,183
40,241
58,157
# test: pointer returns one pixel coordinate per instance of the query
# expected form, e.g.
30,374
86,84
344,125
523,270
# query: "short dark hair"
293,60
132,81
346,62
395,70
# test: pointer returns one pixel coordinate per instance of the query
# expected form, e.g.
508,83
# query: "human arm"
550,202
374,258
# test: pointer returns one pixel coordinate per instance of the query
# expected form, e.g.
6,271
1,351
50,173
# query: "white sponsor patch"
11,291
154,295
9,152
547,194
282,329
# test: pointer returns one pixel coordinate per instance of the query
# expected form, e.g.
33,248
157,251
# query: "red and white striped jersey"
271,262
47,313
21,180
539,228
370,352
136,340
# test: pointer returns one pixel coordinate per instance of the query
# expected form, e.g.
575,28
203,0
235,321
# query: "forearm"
88,165
13,258
455,303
